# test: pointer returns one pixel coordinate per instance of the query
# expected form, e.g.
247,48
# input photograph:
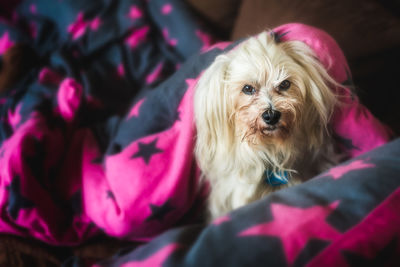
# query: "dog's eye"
248,89
283,86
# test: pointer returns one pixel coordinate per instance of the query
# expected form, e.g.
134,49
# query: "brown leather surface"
359,26
15,251
17,60
221,13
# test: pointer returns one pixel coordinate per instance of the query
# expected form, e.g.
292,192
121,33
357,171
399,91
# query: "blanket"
63,128
347,216
99,136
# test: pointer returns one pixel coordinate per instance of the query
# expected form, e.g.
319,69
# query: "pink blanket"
61,183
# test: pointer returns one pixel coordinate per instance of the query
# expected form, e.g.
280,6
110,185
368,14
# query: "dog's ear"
319,90
212,103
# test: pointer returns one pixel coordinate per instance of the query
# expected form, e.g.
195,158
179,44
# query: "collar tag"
276,179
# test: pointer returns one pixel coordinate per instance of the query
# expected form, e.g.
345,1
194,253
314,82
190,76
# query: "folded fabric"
77,157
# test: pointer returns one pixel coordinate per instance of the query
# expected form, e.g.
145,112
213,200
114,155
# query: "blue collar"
275,179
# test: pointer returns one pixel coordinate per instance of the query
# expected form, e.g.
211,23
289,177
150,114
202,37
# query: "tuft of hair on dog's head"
258,105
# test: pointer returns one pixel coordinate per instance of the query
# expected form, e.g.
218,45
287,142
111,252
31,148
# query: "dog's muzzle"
271,116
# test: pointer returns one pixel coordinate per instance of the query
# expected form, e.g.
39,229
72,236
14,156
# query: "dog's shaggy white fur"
263,106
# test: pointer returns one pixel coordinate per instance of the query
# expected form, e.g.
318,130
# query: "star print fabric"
91,141
99,136
343,217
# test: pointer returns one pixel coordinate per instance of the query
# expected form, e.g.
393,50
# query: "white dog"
261,114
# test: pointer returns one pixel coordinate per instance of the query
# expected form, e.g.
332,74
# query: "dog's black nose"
271,117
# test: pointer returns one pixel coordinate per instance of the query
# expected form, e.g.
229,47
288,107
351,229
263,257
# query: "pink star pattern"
95,24
191,83
157,259
5,43
380,226
137,36
152,77
171,41
14,117
135,110
80,25
295,226
221,220
205,38
166,9
135,13
121,70
339,171
220,45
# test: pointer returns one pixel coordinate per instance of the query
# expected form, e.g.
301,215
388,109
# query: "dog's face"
265,97
268,94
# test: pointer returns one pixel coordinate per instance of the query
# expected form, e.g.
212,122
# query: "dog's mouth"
269,128
275,130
